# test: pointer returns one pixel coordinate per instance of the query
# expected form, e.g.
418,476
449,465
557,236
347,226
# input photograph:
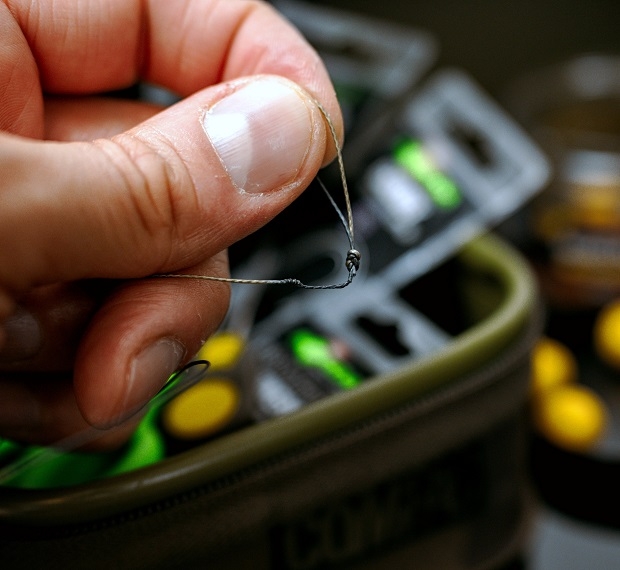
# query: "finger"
246,38
143,333
21,111
43,332
89,118
130,342
175,190
42,410
185,46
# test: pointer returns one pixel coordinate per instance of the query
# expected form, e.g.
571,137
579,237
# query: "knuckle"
155,200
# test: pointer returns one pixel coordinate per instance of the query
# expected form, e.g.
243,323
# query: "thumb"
165,195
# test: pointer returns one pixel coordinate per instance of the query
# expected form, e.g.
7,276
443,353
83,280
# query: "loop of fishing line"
185,378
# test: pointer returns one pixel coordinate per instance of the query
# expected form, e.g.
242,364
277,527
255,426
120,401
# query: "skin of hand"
97,194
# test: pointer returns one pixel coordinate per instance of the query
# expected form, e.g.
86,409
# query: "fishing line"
197,370
353,257
180,381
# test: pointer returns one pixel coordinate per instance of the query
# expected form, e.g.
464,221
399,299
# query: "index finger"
184,45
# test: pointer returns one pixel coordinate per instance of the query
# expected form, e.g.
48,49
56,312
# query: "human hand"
132,190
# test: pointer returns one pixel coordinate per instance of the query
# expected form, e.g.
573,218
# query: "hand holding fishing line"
97,194
353,257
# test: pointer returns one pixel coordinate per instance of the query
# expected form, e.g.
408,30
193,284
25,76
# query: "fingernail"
22,337
148,373
262,133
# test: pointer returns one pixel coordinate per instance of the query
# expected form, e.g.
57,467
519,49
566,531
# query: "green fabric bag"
422,467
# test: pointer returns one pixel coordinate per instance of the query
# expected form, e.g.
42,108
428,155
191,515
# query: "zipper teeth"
474,381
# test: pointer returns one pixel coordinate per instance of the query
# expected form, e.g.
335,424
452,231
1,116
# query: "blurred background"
555,67
498,40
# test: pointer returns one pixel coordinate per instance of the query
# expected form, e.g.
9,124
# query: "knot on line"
353,259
